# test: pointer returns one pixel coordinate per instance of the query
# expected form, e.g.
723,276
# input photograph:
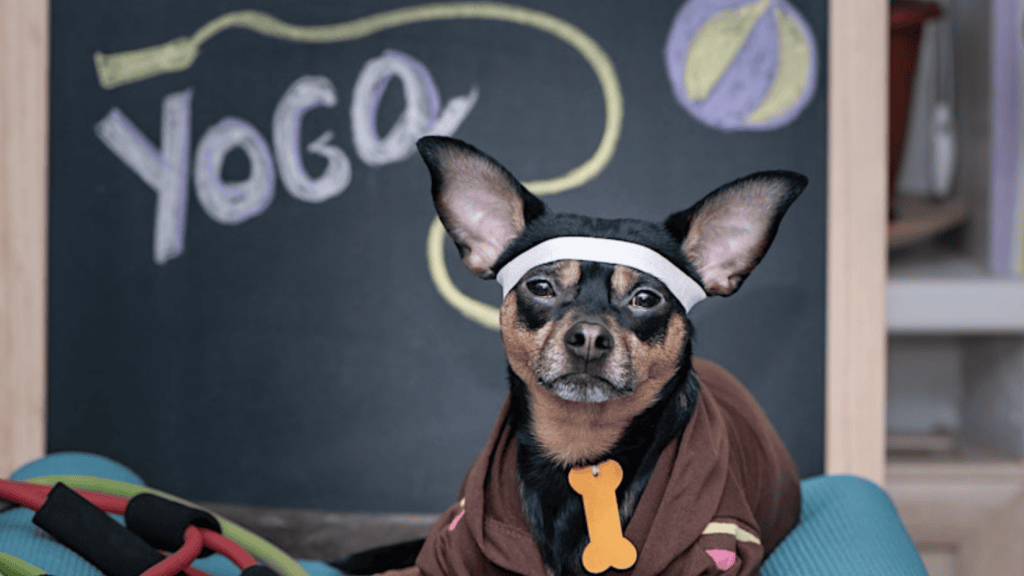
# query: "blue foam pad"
218,565
77,463
848,527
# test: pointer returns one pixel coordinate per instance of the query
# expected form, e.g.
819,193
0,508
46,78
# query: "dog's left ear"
727,233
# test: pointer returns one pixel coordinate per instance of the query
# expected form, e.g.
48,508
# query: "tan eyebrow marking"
568,273
624,279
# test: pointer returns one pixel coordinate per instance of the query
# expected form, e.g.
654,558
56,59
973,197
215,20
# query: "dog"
616,450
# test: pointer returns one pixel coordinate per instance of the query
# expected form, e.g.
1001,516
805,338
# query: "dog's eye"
645,299
540,288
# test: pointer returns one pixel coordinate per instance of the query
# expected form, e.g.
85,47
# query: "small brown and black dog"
616,450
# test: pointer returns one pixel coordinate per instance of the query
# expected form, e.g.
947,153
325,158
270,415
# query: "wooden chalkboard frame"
24,134
857,215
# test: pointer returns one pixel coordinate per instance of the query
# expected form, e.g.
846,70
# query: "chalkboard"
240,303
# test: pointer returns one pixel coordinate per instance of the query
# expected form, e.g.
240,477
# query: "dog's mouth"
582,387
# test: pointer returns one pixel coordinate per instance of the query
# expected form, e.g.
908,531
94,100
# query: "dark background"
304,358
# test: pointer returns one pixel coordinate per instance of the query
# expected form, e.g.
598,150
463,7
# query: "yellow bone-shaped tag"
608,548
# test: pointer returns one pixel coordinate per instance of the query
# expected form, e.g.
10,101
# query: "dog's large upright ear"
483,207
727,233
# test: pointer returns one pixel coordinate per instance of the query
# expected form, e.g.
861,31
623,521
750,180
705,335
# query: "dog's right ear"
482,206
725,235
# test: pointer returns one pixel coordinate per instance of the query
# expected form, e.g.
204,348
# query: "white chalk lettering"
233,202
164,171
421,116
303,95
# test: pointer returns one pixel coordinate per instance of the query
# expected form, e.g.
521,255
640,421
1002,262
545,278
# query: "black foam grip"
94,535
258,570
162,522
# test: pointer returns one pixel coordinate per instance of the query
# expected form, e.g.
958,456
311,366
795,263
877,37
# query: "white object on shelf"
929,151
943,165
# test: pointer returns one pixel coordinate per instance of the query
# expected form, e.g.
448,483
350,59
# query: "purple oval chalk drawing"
741,64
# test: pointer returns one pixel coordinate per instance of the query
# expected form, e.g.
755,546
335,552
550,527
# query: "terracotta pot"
906,18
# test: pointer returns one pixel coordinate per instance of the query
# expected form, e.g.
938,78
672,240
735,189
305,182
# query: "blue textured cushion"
218,565
79,463
848,526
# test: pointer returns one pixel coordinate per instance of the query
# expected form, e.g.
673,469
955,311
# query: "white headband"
606,251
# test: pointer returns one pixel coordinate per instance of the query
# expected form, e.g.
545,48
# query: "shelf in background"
918,219
939,293
950,458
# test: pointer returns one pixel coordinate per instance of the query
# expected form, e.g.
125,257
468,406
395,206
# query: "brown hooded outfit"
720,498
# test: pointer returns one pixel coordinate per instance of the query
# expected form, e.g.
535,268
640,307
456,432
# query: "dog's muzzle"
581,387
584,366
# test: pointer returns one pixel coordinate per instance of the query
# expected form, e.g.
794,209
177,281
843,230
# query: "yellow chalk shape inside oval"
715,46
792,74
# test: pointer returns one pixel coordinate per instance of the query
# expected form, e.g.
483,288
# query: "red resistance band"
78,520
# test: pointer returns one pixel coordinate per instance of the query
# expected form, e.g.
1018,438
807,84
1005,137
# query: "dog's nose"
589,341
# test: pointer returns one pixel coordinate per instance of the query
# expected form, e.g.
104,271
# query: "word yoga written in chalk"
166,169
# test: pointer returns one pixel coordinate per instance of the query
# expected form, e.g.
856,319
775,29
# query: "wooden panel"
24,93
974,510
857,223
